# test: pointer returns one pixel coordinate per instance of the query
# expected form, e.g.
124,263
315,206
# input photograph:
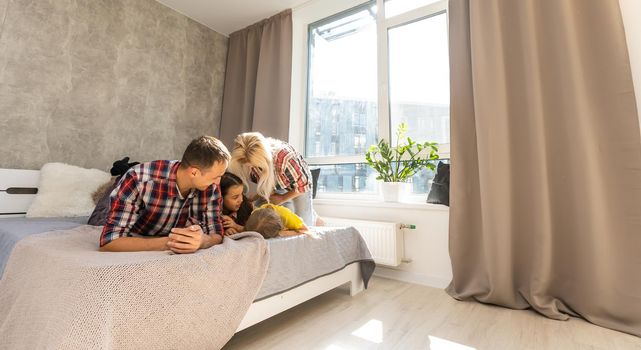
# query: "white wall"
631,12
426,246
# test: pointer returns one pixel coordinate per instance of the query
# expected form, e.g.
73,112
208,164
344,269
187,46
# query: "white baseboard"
412,277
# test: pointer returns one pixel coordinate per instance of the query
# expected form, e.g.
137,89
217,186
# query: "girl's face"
233,198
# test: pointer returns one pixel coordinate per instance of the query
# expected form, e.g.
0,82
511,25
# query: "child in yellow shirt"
275,221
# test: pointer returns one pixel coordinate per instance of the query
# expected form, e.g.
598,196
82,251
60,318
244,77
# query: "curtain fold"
545,207
258,79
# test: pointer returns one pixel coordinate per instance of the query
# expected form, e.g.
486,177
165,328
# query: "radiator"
384,239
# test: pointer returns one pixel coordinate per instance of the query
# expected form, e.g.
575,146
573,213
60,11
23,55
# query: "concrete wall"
86,82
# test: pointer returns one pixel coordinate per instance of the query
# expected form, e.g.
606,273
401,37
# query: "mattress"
293,260
13,230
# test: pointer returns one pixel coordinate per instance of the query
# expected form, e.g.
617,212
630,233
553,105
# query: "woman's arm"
282,198
287,233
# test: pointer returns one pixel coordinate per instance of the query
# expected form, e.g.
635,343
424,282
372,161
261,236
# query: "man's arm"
136,244
181,240
191,238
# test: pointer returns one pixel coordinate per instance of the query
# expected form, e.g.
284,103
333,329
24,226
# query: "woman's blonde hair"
266,222
253,148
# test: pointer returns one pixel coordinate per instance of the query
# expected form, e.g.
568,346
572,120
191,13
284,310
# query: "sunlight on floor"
334,347
437,343
371,331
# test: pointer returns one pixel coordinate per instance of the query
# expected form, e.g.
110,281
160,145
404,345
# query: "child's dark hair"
266,222
246,207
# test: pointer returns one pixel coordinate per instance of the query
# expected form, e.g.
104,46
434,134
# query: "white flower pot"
394,191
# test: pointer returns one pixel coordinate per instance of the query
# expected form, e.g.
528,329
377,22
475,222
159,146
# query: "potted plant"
396,165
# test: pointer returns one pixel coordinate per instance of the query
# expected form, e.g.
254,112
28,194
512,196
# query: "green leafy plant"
401,162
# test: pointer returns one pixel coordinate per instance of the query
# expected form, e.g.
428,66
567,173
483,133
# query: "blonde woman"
280,172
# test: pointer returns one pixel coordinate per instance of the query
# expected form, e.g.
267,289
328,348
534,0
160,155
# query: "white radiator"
384,239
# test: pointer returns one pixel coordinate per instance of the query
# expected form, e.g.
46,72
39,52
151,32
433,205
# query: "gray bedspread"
294,260
14,229
300,259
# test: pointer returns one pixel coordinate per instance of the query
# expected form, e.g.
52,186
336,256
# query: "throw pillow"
315,174
440,190
65,190
101,211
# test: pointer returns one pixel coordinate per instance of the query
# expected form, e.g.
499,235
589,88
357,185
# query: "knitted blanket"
59,292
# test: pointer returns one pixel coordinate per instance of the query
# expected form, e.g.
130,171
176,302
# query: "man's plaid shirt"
147,202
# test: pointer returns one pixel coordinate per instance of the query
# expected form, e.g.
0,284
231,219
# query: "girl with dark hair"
236,206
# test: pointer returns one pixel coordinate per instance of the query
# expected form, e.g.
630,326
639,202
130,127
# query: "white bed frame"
14,203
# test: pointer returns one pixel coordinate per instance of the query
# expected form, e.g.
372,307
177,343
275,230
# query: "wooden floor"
397,315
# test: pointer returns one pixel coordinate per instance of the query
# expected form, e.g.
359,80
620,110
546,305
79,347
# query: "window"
342,118
419,78
369,68
397,7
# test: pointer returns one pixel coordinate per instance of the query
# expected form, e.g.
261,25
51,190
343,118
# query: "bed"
338,256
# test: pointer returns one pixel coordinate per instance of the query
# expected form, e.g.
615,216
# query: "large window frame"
319,10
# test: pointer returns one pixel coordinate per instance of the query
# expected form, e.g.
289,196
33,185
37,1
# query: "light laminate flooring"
398,315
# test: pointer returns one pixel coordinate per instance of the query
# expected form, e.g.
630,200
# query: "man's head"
205,161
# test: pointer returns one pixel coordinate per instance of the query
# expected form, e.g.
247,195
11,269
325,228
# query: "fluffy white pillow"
65,190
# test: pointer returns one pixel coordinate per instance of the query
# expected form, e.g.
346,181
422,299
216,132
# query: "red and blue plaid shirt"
147,202
290,168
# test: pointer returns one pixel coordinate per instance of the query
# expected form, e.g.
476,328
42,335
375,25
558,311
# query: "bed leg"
356,284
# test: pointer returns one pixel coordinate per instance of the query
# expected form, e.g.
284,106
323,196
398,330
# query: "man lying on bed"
172,205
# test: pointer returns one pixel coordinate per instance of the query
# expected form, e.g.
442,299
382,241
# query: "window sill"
372,203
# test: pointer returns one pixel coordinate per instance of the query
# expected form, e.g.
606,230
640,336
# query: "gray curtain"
258,80
546,160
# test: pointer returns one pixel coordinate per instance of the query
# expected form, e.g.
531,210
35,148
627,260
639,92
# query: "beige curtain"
546,160
258,79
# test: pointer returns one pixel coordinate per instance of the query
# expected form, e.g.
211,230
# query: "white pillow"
65,190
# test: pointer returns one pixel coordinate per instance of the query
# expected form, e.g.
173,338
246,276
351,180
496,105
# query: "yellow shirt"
290,220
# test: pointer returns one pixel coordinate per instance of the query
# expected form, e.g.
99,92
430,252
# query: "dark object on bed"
440,191
105,188
120,167
103,205
315,174
101,211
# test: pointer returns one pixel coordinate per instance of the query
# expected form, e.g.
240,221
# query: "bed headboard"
18,188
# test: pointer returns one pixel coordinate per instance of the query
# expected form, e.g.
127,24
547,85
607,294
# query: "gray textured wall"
88,81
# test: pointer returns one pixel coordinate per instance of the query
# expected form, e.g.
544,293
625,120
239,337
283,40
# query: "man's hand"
190,239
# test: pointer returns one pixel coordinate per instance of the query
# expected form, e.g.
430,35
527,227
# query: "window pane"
422,181
396,7
350,178
419,79
360,178
342,89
